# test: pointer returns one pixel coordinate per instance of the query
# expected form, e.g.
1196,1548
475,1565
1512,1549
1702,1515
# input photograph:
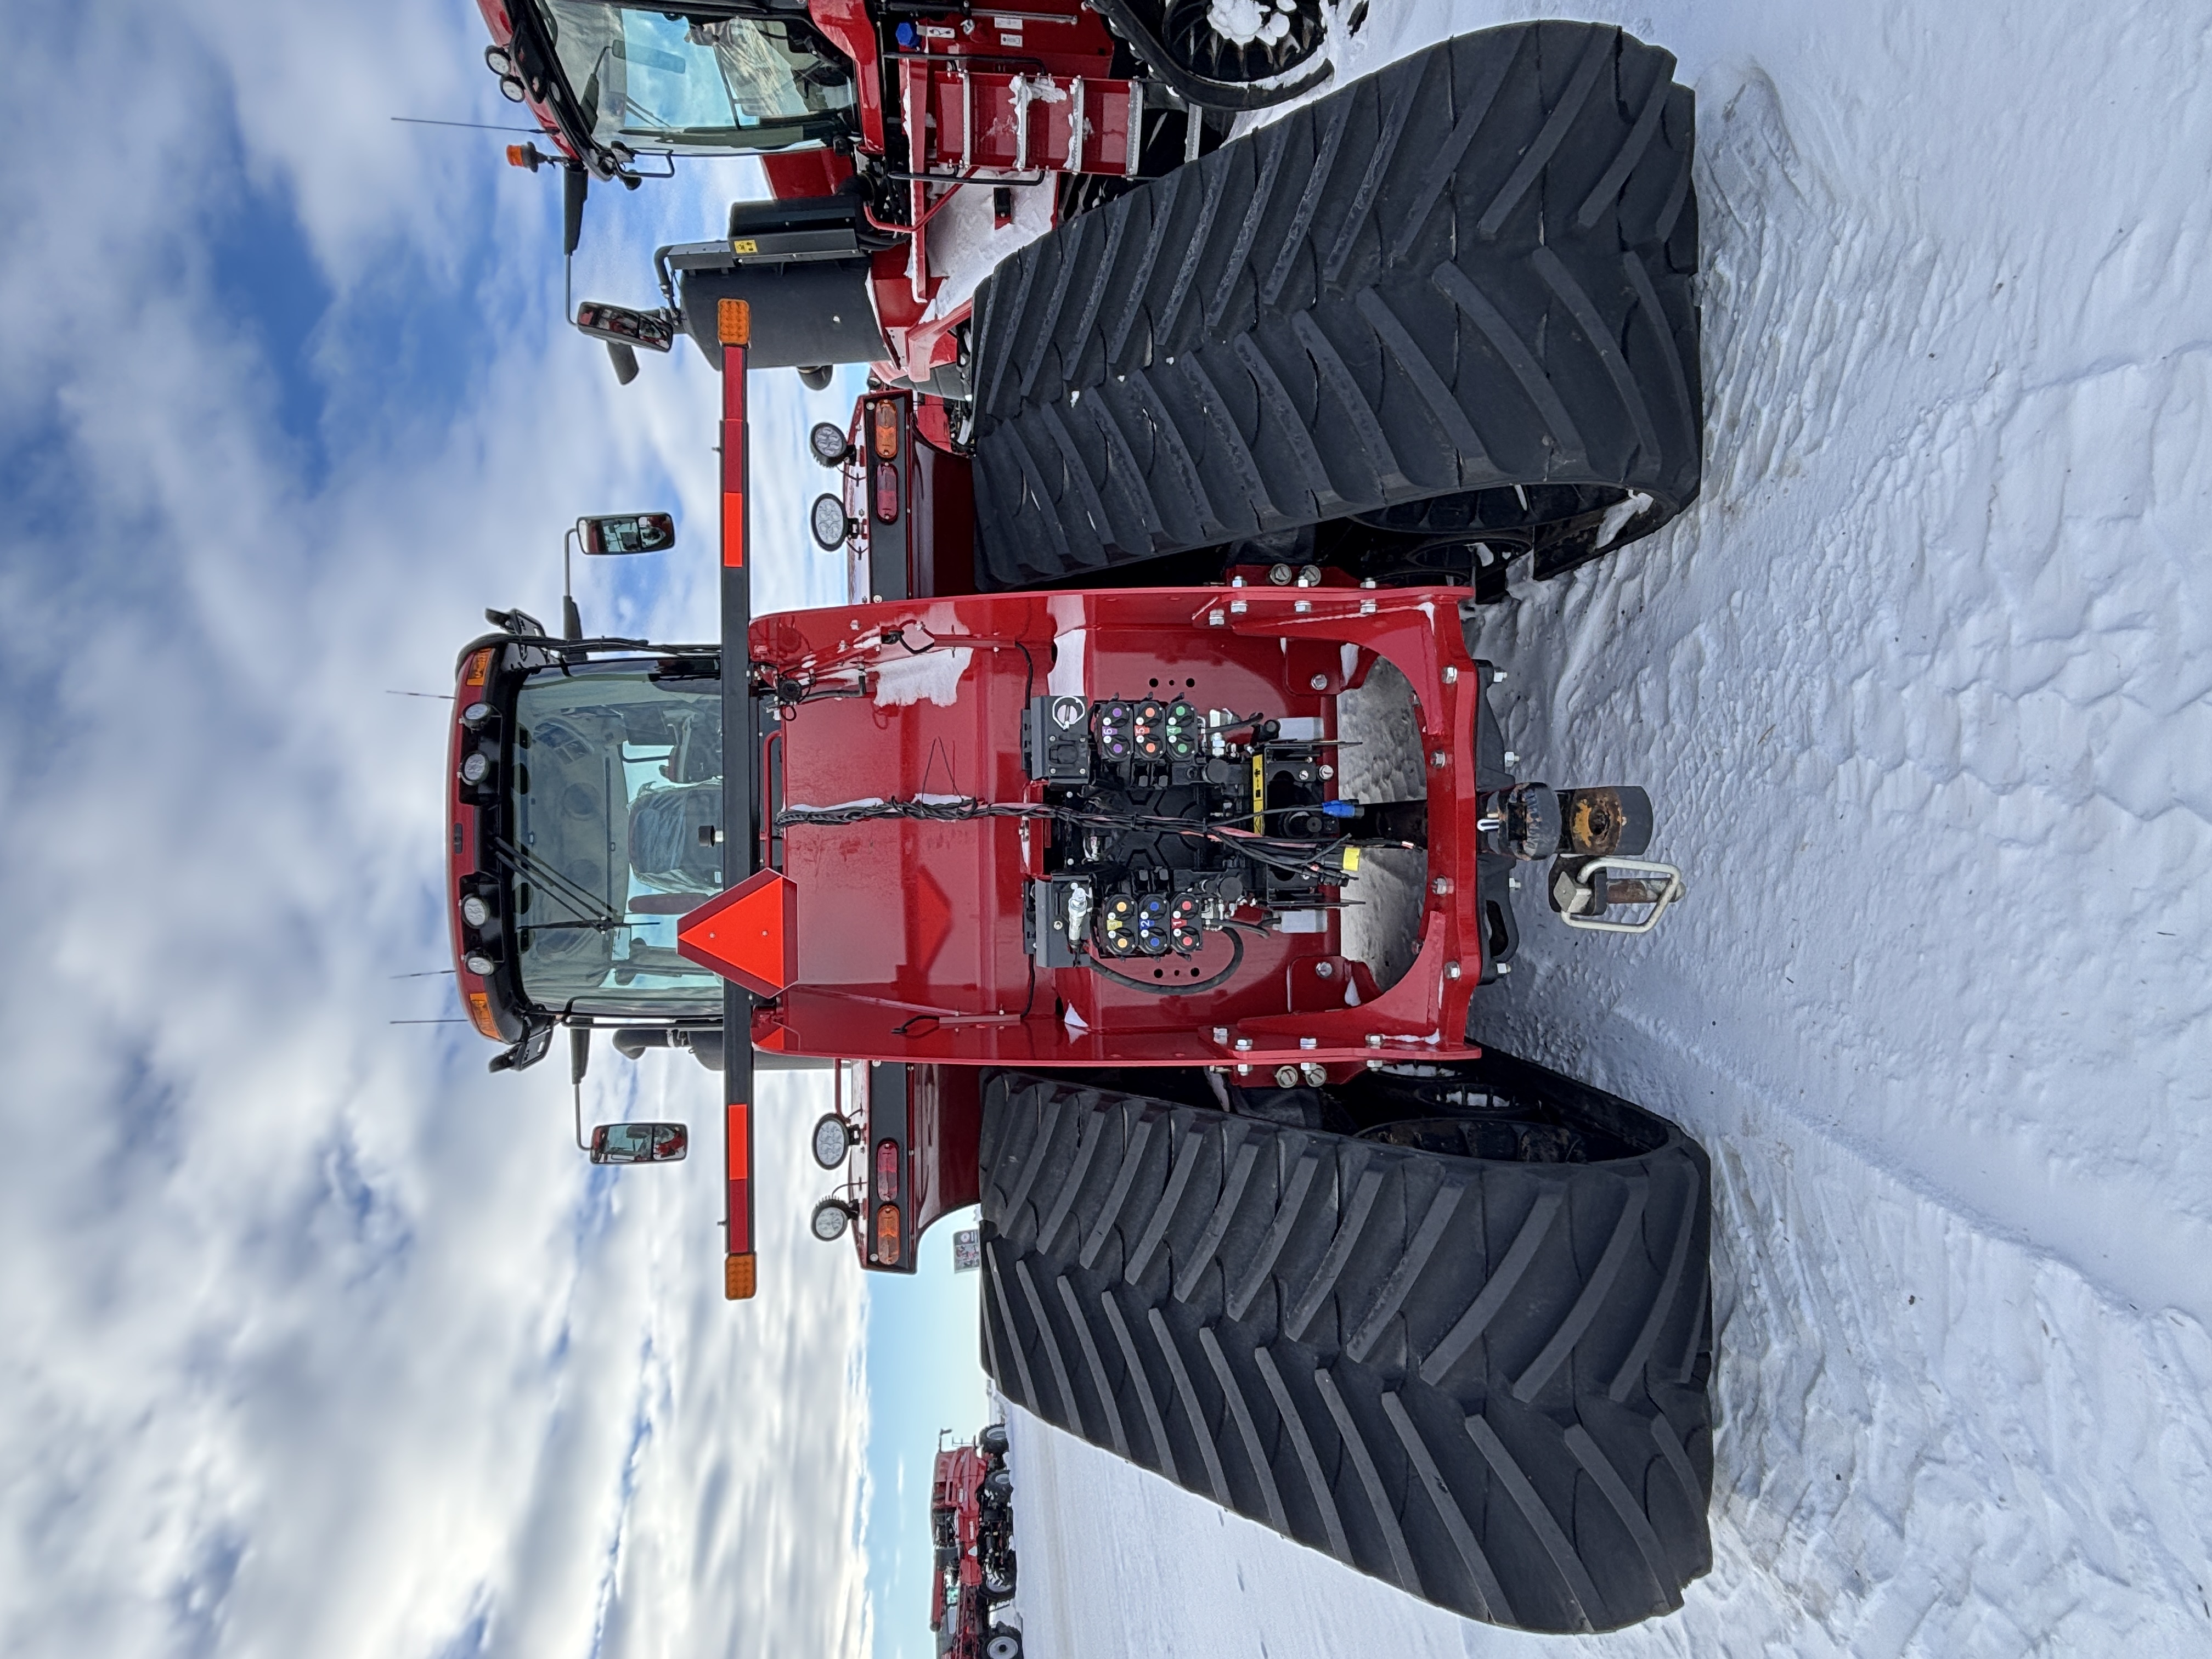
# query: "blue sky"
321,1340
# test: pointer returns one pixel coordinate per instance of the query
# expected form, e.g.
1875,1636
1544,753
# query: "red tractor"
971,1523
908,145
1135,842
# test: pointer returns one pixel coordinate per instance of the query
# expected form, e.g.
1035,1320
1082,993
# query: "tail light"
887,1170
887,1234
887,502
477,666
887,426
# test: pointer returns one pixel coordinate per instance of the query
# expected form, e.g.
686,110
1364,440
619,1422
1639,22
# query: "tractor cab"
623,80
586,798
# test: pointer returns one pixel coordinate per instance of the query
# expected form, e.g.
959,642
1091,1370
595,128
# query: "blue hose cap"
1341,809
906,35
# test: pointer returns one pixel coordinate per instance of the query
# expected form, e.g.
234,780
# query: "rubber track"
1470,270
1483,1382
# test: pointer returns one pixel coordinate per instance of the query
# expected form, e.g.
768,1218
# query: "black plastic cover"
814,312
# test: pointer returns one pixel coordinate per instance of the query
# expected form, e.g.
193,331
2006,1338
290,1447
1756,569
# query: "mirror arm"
572,620
580,1057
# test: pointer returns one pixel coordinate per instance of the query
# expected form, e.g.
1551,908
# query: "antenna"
479,126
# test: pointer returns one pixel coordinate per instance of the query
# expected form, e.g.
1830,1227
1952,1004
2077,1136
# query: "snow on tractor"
971,1521
1135,840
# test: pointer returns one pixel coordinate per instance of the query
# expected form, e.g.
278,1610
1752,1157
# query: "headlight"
476,768
826,521
476,714
480,964
475,911
828,445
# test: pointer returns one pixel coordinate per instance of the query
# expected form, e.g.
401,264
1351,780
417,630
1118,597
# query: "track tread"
1498,293
1484,1382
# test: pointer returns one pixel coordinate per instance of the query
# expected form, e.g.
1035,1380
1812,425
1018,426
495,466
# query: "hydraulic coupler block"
1056,740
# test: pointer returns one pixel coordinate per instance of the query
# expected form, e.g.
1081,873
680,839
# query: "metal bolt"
1237,607
1244,1071
1451,675
1319,682
1327,771
1514,882
1498,676
1309,1042
1326,970
1243,1043
1367,607
1451,970
1309,576
1439,757
1374,1065
1316,1075
1373,1040
1221,1034
1302,607
1236,582
1215,619
1367,582
1512,759
1504,967
1286,1077
1441,886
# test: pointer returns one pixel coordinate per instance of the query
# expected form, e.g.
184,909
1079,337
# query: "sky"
319,1339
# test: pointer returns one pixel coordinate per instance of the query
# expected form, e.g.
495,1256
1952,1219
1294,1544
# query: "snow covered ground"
1920,689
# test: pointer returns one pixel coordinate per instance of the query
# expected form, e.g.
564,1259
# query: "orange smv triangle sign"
749,935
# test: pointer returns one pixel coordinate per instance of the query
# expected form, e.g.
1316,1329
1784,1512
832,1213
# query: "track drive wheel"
1005,1642
1461,1340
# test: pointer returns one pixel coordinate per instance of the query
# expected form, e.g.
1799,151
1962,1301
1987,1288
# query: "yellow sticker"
744,245
1351,860
1259,796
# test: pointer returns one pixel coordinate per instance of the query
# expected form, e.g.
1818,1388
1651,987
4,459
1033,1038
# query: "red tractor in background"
909,146
1136,840
971,1523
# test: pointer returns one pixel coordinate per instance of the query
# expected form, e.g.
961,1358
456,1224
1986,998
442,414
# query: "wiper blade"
591,912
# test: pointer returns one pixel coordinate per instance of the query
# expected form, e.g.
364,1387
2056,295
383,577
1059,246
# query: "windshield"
652,81
618,771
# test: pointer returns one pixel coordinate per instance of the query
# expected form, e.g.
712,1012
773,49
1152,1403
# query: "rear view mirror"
648,330
627,532
640,1143
625,331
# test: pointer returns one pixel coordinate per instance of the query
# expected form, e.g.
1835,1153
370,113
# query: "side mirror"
640,1143
647,330
608,533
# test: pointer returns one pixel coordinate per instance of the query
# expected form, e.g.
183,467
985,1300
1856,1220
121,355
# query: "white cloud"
319,1340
